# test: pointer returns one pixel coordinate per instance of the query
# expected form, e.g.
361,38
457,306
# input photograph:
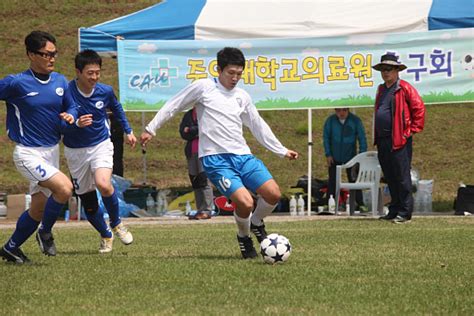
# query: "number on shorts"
41,171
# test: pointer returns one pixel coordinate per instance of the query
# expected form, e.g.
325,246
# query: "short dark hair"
37,40
230,56
87,57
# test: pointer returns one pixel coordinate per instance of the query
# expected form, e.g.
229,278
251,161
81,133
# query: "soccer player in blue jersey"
89,150
37,100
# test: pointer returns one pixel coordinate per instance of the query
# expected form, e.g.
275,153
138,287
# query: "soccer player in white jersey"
89,150
37,102
222,110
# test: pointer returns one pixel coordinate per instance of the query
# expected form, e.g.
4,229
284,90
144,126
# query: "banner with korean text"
301,73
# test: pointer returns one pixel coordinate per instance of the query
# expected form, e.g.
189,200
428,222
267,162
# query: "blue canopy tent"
212,19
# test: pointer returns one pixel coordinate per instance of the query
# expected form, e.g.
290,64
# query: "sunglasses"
46,55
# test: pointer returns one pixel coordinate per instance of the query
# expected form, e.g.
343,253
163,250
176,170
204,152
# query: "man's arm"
184,99
417,110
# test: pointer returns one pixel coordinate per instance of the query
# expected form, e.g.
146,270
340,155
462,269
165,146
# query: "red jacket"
408,113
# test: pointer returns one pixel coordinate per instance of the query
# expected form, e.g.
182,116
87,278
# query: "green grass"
343,267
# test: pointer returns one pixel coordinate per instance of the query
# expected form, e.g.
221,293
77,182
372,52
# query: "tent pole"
310,152
144,150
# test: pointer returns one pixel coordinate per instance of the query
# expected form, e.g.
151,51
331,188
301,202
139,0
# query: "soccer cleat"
259,231
16,256
246,247
401,220
106,245
46,243
200,215
122,232
388,217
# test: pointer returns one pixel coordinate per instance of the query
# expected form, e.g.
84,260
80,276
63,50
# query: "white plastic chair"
368,178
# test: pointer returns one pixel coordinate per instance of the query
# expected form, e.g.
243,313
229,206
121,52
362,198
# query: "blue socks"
97,220
25,227
112,205
51,213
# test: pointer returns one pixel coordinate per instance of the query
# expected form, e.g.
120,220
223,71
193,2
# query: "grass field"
343,267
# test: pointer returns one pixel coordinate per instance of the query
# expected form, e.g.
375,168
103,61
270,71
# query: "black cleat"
401,220
46,243
388,217
259,232
16,256
246,247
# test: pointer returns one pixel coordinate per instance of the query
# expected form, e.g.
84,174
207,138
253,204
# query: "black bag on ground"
464,201
316,186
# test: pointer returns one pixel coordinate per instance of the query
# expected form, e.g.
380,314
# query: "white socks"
243,224
262,210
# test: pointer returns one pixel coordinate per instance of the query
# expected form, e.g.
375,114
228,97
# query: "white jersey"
221,115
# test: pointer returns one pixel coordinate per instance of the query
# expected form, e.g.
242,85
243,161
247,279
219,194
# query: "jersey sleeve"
260,129
69,105
183,100
6,87
116,108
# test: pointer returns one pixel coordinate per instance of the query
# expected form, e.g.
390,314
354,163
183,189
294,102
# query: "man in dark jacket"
201,185
399,113
341,132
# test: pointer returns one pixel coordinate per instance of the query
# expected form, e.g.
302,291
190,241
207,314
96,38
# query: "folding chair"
368,178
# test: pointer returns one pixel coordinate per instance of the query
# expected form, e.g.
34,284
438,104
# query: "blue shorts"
229,172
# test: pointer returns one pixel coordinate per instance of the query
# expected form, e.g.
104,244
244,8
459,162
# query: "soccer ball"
275,249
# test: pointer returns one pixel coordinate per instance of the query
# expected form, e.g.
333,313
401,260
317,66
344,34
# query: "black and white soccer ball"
275,249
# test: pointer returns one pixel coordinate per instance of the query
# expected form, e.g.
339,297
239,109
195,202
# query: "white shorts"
83,162
37,164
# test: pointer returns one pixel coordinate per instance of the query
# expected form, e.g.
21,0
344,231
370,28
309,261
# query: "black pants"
351,175
117,139
396,166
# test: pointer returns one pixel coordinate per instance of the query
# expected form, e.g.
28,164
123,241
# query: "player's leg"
257,178
96,218
219,169
25,227
102,164
109,197
61,190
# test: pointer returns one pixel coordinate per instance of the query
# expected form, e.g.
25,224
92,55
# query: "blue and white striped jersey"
33,107
101,99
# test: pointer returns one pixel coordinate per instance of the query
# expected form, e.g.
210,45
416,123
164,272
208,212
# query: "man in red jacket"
399,113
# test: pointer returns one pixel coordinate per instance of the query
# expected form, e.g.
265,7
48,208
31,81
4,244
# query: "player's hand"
131,140
329,161
84,120
67,117
291,154
145,138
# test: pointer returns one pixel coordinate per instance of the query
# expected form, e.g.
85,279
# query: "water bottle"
348,204
66,215
159,206
150,204
300,206
293,206
27,201
188,208
332,204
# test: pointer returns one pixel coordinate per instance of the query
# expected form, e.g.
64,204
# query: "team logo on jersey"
225,183
99,104
239,101
60,91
